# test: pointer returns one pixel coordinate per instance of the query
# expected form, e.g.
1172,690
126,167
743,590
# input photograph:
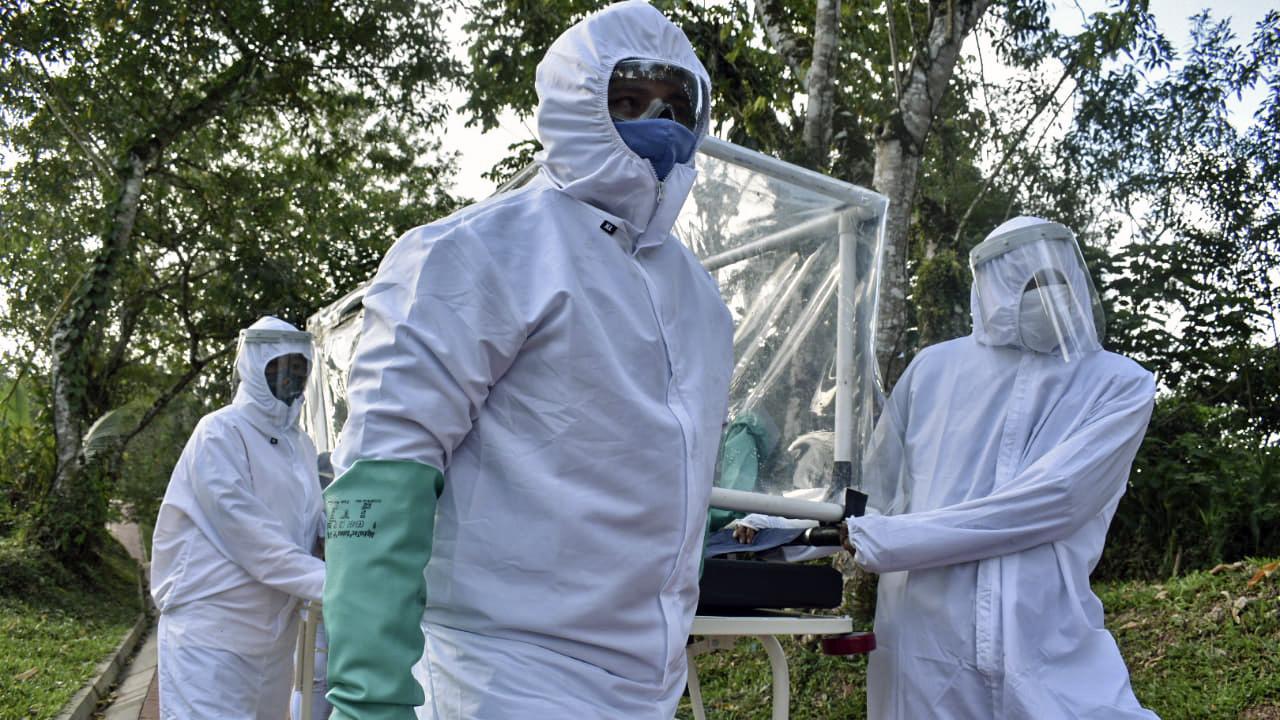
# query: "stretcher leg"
695,690
781,676
307,657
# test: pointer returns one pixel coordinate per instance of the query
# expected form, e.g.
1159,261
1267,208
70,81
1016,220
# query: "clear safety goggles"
1034,290
646,89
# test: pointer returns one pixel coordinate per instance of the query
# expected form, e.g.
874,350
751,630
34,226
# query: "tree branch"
241,82
893,54
1013,144
59,112
168,395
782,39
129,317
932,67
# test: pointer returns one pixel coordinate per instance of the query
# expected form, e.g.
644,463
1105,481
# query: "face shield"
650,89
1034,291
286,370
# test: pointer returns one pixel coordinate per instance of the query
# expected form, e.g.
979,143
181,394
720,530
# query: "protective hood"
582,153
253,396
1032,291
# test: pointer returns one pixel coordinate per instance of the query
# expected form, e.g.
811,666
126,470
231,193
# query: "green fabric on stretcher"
747,445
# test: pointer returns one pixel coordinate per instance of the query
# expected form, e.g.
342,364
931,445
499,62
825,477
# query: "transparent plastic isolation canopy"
797,258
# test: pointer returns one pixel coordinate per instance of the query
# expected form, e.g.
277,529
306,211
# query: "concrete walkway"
131,538
137,696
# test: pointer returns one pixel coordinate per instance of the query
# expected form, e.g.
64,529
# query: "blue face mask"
660,141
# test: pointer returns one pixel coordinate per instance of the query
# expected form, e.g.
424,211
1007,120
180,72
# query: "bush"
27,454
149,459
1201,493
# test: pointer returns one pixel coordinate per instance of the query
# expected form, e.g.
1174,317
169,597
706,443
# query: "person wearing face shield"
232,550
536,403
993,473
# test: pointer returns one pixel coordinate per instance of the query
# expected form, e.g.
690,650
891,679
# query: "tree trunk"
68,524
899,149
820,84
896,171
71,335
819,79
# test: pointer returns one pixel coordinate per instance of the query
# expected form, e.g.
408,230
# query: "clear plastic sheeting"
336,330
796,255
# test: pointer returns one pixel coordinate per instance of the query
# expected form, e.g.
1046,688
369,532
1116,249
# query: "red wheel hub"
859,643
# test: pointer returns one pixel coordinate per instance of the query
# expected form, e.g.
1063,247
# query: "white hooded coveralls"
565,361
998,470
231,554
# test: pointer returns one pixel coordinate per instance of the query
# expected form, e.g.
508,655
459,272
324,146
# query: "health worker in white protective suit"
536,402
997,466
231,554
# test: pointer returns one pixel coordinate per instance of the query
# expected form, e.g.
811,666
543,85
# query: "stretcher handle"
821,536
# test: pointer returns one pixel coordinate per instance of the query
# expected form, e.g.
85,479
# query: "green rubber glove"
381,516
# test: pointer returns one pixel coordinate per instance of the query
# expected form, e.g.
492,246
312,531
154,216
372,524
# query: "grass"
56,626
1203,647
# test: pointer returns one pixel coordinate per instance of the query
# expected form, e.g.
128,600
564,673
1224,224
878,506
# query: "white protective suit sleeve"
439,330
247,529
1048,501
884,460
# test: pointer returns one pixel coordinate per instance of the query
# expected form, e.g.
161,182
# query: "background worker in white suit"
232,550
996,468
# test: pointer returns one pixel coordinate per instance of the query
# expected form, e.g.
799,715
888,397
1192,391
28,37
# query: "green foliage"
520,158
1199,495
1190,292
941,295
735,683
26,453
1195,297
508,39
56,626
149,460
72,524
280,146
